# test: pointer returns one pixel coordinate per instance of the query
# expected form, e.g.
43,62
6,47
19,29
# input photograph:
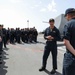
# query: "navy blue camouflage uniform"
69,58
51,46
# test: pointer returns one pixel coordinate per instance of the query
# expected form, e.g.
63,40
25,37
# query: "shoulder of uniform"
56,28
68,23
47,28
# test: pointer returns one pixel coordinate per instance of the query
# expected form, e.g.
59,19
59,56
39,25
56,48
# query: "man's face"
67,17
51,23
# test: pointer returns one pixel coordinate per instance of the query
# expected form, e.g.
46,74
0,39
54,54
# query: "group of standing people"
22,35
52,35
17,35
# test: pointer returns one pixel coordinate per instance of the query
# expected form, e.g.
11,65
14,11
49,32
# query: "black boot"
42,69
53,71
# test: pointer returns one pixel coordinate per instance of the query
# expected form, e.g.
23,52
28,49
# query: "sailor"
52,35
69,41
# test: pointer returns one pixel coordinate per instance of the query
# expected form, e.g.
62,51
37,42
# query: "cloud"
36,5
52,6
43,10
15,1
40,2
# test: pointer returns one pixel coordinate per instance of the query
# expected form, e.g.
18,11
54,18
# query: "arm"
67,39
45,35
69,46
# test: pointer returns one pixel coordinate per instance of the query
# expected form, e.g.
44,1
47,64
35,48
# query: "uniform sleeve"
66,32
45,34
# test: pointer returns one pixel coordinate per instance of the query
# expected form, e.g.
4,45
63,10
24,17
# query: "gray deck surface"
26,59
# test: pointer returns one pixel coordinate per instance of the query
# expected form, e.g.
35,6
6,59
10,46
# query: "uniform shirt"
69,32
4,31
54,33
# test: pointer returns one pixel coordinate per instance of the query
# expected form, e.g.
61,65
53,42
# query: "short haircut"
52,20
72,14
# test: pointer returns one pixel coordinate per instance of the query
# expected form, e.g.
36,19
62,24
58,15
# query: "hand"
50,37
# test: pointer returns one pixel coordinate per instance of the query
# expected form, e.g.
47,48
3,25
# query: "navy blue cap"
70,10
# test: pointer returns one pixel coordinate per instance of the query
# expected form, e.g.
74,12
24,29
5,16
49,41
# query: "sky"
15,13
